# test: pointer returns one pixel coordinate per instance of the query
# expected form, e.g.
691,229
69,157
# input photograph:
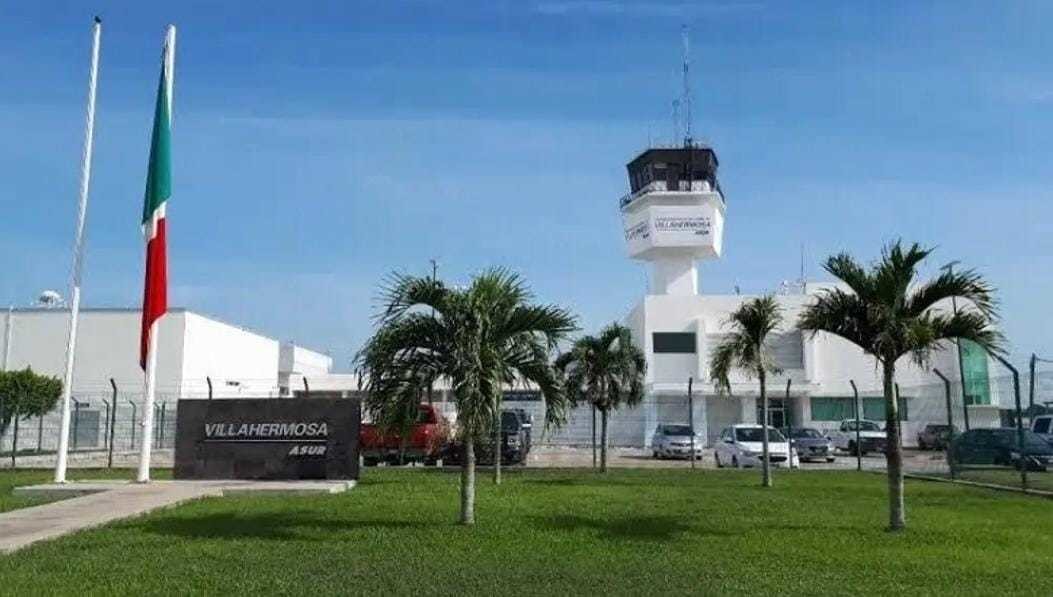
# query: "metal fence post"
105,422
1031,386
76,421
859,445
950,420
691,416
1022,458
134,408
14,442
113,423
2,401
789,428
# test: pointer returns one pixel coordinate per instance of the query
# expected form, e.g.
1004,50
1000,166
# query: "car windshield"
509,421
805,433
755,434
863,426
676,430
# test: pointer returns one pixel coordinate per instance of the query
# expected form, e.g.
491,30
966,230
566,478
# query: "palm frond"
967,285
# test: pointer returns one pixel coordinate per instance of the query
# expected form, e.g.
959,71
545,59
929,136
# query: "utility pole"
949,268
434,278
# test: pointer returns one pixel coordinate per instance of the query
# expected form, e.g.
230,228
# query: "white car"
741,446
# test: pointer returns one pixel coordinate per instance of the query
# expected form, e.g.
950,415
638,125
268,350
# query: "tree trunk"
765,454
497,439
468,482
594,435
603,440
893,451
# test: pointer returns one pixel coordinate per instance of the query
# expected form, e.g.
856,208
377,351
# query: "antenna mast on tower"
685,99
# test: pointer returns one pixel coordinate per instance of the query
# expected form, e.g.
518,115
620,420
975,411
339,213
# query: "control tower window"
673,342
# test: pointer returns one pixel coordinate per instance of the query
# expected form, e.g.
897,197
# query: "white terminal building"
674,216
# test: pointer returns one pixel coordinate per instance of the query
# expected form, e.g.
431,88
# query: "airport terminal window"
673,342
831,409
841,408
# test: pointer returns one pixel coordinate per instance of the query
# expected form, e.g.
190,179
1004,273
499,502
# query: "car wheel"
830,459
654,454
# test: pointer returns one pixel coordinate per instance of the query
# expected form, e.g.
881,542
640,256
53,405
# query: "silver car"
810,444
674,441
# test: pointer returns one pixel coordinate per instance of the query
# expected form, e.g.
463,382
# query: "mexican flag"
158,190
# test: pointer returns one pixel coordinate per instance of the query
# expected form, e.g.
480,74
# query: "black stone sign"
267,438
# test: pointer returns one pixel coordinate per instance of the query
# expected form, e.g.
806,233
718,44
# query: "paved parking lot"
576,457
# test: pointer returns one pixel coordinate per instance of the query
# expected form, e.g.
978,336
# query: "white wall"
190,349
240,363
107,346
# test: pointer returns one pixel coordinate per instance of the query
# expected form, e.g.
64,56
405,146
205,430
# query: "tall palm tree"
606,371
746,348
481,338
889,316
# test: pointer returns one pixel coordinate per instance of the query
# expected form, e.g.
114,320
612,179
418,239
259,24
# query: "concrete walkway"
96,503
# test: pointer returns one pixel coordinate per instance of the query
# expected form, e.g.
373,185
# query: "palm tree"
746,348
889,316
481,338
606,371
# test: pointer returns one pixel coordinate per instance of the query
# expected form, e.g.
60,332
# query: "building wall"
191,348
822,366
107,347
239,362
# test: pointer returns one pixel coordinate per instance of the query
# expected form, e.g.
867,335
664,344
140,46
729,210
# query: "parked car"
934,436
871,436
516,431
741,446
425,442
1000,447
674,441
810,444
1042,425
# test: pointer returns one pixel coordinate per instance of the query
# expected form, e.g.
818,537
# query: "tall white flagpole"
78,255
146,445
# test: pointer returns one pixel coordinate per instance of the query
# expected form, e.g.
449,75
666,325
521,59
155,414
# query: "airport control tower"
673,214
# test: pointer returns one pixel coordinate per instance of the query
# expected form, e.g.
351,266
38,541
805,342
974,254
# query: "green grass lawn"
10,479
565,532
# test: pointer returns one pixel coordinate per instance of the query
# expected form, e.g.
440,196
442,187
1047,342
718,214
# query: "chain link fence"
974,436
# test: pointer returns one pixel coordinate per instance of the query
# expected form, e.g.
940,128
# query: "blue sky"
318,146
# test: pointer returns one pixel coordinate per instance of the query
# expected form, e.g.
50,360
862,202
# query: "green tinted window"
831,409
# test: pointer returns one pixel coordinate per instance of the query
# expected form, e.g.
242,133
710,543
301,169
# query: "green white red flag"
155,203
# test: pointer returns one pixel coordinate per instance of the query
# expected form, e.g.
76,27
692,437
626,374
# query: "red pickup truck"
424,442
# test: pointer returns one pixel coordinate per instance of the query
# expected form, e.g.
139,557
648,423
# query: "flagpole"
78,255
146,444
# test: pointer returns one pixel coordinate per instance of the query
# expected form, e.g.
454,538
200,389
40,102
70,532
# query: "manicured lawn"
565,532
